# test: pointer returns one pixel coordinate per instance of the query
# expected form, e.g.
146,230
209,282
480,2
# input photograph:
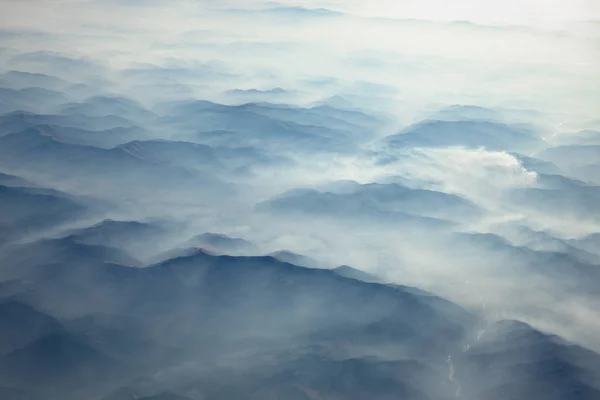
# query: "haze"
299,200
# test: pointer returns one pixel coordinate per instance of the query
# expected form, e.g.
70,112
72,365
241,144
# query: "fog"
180,181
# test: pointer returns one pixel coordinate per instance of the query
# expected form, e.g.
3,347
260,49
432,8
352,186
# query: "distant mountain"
200,157
537,165
295,259
21,120
339,119
466,112
107,138
222,244
290,12
582,138
256,91
570,270
60,65
17,80
513,360
572,155
580,161
474,134
110,232
560,196
49,256
190,155
521,235
384,202
353,273
560,182
246,125
303,11
131,236
36,152
590,243
250,95
374,105
25,210
99,106
299,203
178,79
30,99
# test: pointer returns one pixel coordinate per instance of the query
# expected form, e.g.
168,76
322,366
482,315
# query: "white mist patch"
320,170
477,174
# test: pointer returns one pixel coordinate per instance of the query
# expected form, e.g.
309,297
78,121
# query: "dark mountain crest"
353,273
221,244
115,226
187,257
200,257
198,252
290,257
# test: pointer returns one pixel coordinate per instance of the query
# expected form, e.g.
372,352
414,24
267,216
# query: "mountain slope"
473,134
21,325
514,361
26,210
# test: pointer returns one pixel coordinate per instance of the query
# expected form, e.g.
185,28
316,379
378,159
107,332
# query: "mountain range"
166,235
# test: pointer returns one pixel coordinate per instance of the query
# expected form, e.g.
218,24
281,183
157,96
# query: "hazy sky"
521,12
512,12
445,62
